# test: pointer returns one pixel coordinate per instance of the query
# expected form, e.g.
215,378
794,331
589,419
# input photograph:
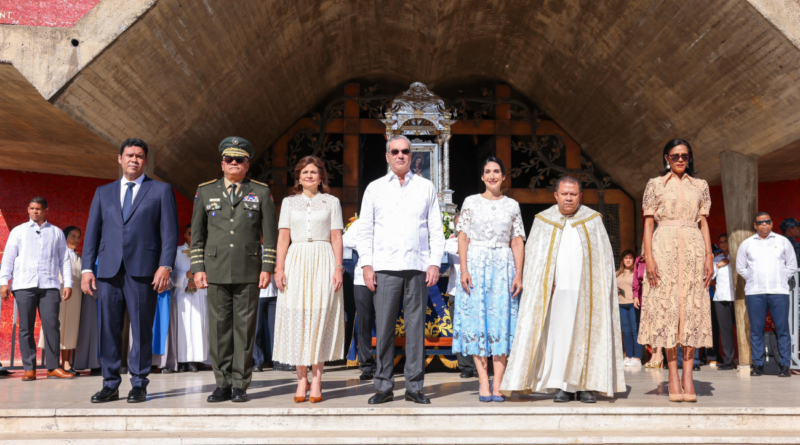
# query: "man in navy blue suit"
133,233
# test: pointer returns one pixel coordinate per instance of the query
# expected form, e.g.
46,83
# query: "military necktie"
128,201
233,192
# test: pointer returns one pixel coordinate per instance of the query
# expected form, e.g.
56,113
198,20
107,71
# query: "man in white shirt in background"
34,255
766,261
465,364
401,215
365,307
723,303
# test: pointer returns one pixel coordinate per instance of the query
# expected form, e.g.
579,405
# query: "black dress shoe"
137,395
381,397
239,395
258,368
466,374
166,371
191,367
366,375
417,397
73,372
785,372
105,395
219,395
563,396
182,367
696,368
96,372
726,368
757,371
587,397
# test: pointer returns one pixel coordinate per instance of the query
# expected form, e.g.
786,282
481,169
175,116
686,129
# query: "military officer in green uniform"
229,215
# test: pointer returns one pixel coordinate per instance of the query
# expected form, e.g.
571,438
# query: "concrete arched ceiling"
621,76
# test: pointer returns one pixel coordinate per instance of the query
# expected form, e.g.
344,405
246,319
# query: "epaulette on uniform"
260,183
206,183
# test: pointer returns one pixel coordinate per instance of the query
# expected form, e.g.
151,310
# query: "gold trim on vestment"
591,297
546,295
560,226
585,220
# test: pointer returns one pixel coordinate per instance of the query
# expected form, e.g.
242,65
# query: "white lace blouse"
311,219
490,223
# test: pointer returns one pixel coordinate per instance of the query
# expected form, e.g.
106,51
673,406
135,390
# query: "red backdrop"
68,201
781,199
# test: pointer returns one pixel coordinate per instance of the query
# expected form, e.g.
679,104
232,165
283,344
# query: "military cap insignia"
235,141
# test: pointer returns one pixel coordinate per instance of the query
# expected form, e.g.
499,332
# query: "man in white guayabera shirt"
399,215
766,261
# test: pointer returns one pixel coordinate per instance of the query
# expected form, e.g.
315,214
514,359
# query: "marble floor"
343,389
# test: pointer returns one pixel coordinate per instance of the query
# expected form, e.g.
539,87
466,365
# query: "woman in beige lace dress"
677,309
309,318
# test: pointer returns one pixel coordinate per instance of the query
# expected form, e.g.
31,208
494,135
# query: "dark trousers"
409,287
48,301
725,314
265,330
232,310
138,296
365,315
629,324
778,307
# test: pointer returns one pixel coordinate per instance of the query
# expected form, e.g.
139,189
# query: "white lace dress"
486,318
309,319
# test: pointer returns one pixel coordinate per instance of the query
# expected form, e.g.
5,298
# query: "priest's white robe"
192,308
568,338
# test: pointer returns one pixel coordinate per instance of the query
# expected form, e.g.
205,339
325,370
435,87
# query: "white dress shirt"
724,288
34,256
397,222
766,264
451,248
350,240
124,189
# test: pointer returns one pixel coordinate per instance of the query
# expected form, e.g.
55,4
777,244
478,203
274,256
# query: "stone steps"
663,436
506,424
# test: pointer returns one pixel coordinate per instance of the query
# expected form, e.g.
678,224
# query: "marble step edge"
408,437
450,411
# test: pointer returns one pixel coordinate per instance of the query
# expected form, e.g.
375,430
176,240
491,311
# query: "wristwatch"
168,268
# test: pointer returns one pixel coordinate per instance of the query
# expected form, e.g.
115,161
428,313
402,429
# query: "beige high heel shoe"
676,397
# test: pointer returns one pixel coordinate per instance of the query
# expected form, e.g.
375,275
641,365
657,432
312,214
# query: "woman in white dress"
69,312
192,329
309,324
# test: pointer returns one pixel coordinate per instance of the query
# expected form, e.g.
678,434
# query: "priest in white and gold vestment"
568,333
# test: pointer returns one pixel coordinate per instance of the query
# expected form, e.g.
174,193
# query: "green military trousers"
232,310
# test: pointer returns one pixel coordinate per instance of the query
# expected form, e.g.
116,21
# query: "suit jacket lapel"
116,200
243,190
146,183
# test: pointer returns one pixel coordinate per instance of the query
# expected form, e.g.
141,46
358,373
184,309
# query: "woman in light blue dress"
491,250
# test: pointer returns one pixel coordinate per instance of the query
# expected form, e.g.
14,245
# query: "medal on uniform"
213,213
249,214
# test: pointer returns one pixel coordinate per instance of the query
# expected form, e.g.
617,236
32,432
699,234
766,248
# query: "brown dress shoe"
28,376
59,373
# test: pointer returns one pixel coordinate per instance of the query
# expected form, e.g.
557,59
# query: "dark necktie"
233,191
128,201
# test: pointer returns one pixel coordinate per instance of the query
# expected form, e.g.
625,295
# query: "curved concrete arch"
620,76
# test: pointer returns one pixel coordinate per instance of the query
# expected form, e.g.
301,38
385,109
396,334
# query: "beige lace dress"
309,318
678,310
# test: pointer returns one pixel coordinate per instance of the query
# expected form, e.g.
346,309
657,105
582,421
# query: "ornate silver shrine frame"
419,112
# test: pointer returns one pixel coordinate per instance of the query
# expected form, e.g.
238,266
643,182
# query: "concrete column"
740,193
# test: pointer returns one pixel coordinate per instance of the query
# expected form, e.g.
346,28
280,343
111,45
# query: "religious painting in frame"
425,160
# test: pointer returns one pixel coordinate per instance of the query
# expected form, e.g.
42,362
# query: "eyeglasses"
395,151
680,157
232,159
764,222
